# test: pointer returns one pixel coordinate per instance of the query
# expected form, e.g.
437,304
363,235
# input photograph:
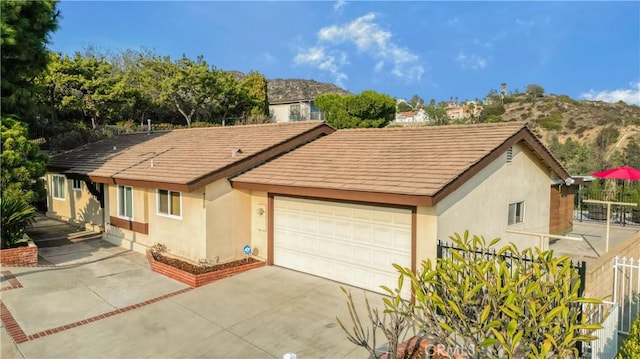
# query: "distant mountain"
297,89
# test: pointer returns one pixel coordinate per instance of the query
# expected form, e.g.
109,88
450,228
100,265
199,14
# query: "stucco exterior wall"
426,234
482,204
228,218
281,112
79,206
259,223
185,237
126,238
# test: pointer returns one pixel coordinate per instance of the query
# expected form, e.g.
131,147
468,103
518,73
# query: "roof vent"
509,155
236,152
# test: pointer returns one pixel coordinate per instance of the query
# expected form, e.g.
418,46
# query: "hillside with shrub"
584,135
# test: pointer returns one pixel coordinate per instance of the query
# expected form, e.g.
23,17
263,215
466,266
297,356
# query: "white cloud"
629,95
330,62
473,62
368,38
339,5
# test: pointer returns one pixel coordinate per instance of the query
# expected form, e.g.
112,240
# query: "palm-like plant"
16,215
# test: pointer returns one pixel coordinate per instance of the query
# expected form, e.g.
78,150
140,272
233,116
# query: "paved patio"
102,302
593,240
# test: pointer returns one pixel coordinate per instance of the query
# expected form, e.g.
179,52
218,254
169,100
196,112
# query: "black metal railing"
622,215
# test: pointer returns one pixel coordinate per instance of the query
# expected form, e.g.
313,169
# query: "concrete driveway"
111,305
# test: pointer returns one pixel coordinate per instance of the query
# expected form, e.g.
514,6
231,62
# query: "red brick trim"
14,283
130,225
20,256
12,326
18,335
197,280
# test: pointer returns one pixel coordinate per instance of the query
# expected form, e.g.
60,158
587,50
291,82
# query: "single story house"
338,204
170,187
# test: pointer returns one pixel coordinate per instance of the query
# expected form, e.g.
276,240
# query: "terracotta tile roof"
180,156
416,161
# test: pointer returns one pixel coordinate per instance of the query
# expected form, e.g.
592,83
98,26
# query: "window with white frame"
76,185
57,187
169,203
516,213
125,202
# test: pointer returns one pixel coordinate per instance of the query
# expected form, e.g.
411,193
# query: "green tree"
89,87
489,307
255,84
403,107
534,90
22,165
25,28
631,347
367,109
416,102
631,156
437,115
186,84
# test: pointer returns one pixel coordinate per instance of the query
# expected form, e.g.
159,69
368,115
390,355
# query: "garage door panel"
350,243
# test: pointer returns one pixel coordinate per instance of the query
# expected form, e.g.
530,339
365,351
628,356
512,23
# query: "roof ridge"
515,124
270,124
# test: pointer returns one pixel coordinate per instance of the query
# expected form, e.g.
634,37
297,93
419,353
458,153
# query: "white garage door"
350,243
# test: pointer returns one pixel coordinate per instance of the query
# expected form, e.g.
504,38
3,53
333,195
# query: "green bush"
16,215
631,347
552,123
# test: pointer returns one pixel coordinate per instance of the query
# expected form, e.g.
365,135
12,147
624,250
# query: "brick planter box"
20,256
197,280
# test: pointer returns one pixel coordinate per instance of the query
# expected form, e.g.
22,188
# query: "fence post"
582,270
439,249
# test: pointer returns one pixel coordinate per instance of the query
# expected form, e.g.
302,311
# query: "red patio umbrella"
623,173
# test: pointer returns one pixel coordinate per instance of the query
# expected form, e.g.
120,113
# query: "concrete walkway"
114,306
593,243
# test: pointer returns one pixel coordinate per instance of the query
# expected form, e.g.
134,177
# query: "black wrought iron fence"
622,215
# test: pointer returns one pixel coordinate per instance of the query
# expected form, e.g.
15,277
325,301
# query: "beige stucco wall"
481,205
228,218
185,237
138,242
426,234
259,223
79,207
281,112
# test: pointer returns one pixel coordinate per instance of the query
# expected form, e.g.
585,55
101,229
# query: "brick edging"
20,256
197,280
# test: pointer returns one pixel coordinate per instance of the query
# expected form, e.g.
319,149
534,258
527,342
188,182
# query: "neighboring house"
294,110
342,205
463,111
170,187
347,205
411,117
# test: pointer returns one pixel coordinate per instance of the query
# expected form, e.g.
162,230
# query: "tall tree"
367,109
255,84
24,34
22,164
186,84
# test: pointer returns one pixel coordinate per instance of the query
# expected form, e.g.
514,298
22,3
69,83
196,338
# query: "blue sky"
587,50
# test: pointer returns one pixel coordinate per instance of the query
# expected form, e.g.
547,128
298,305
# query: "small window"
169,203
76,185
57,187
294,112
125,202
516,213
